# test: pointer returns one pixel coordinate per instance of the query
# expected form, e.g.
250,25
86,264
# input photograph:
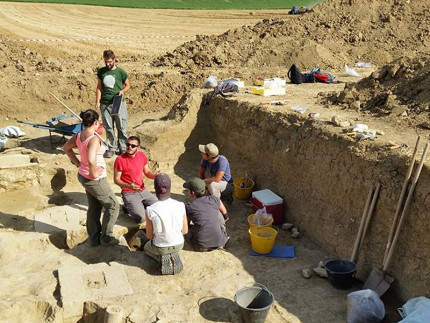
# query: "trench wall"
324,178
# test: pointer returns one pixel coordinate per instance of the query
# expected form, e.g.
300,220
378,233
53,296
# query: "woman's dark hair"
89,117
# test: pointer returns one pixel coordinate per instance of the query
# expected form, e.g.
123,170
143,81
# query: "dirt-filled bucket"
254,303
243,187
262,239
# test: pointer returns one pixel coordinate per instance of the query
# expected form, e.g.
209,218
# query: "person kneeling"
166,223
208,216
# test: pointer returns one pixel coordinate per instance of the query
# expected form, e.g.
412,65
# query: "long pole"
79,118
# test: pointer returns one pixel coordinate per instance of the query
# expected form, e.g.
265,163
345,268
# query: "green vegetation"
188,4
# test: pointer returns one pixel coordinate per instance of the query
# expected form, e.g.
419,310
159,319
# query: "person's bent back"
208,215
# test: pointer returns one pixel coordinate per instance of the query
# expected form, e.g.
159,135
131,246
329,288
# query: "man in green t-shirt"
112,81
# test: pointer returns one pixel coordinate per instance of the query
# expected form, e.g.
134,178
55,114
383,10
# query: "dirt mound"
398,89
30,76
334,33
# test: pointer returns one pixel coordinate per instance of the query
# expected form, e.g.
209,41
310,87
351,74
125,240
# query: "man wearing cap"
220,179
129,168
166,225
208,216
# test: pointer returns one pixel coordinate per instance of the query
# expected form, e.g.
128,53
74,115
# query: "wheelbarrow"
68,130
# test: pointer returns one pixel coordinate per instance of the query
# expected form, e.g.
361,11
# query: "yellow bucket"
244,192
252,224
262,239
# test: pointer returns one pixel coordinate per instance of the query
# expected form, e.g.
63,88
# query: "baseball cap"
209,149
162,184
196,185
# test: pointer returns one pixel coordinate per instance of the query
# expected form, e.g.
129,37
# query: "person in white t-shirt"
166,225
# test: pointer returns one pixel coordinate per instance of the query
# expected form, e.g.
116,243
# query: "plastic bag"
210,82
261,217
11,132
363,64
415,310
351,71
364,306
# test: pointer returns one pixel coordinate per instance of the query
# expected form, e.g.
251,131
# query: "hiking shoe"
91,243
166,265
109,241
177,263
108,154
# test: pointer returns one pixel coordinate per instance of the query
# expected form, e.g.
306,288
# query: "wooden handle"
408,201
369,215
80,119
358,239
401,199
64,105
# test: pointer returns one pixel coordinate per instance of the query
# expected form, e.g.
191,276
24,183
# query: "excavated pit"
322,174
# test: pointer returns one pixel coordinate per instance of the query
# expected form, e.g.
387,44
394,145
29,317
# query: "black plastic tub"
341,273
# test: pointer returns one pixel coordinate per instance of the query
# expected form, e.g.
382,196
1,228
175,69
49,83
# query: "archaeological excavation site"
348,160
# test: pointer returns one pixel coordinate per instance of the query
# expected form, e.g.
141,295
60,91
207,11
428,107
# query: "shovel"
379,281
365,220
401,199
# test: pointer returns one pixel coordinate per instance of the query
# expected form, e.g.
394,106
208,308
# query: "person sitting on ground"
166,225
208,216
220,179
128,169
92,176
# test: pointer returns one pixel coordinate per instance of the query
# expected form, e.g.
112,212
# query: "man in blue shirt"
219,180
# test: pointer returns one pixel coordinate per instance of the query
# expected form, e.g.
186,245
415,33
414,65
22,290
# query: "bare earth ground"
63,60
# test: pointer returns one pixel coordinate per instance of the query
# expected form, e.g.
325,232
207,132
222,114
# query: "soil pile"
398,89
332,34
31,76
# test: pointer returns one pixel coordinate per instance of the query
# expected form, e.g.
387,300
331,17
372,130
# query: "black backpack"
295,76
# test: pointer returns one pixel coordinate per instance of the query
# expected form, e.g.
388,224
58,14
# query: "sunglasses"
131,145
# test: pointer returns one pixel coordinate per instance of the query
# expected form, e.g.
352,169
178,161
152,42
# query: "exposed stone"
320,272
306,273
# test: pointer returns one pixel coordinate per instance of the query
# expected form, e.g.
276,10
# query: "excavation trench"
322,174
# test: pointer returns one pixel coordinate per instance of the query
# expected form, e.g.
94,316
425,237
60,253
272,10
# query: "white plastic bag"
364,306
261,217
11,132
363,64
351,71
211,82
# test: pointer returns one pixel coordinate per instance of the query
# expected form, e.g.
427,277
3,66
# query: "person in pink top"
92,176
129,169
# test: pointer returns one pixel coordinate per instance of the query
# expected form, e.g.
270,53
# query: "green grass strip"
187,4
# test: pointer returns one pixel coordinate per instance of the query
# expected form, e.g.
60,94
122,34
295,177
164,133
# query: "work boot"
109,241
177,263
166,265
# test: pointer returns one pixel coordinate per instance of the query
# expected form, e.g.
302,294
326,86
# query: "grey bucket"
254,303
